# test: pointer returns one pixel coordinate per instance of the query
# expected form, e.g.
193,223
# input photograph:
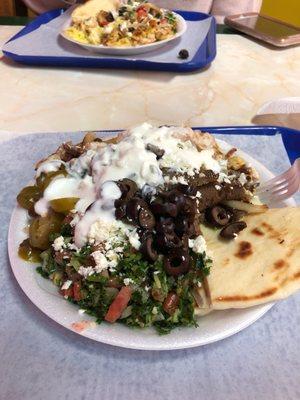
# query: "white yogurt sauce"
126,159
64,187
49,166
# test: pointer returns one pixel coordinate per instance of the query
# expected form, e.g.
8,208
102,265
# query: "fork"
282,186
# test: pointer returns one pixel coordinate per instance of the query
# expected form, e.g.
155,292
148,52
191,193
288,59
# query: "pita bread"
261,265
92,8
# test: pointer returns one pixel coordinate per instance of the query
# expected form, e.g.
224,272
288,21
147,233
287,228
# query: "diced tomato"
118,305
77,291
104,23
163,21
80,326
67,292
141,13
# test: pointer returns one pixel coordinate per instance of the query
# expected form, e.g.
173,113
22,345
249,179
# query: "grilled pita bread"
261,265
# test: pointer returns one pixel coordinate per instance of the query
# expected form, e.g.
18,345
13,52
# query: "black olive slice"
217,216
120,211
133,208
236,215
148,250
127,187
165,209
189,206
165,225
177,262
165,242
230,231
146,219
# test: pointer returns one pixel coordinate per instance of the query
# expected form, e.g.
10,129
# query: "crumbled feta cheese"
66,285
218,187
199,284
100,260
86,271
111,255
107,246
191,243
199,195
134,239
72,246
181,180
81,311
242,179
108,29
112,265
113,258
58,243
198,245
123,26
177,179
156,272
191,172
223,178
127,281
101,231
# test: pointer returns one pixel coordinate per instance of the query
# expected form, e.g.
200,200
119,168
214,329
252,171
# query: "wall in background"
12,8
7,7
285,10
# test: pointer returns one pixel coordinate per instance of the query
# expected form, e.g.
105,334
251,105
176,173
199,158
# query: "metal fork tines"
283,186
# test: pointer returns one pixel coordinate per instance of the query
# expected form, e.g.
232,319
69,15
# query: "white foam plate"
212,327
128,50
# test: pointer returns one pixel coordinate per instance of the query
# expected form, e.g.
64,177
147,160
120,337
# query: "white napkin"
280,112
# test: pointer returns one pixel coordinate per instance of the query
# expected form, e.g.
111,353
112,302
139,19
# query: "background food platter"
40,43
127,50
43,294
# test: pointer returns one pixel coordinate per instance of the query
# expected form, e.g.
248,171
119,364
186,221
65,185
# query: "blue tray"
290,137
204,56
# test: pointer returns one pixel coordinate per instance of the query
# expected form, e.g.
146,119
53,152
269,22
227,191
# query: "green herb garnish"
171,18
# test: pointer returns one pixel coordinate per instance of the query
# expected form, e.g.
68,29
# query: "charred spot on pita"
257,232
245,250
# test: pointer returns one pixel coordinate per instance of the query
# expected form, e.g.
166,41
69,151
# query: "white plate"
213,327
128,50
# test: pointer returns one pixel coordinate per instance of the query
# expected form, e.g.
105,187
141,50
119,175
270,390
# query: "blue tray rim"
290,137
209,45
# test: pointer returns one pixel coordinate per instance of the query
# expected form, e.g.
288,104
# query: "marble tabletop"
244,75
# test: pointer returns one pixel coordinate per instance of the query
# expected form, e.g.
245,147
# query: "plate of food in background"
129,28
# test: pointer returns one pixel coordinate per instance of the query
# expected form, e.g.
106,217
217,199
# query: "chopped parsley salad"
133,23
116,224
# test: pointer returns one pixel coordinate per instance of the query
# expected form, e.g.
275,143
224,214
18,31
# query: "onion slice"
248,207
